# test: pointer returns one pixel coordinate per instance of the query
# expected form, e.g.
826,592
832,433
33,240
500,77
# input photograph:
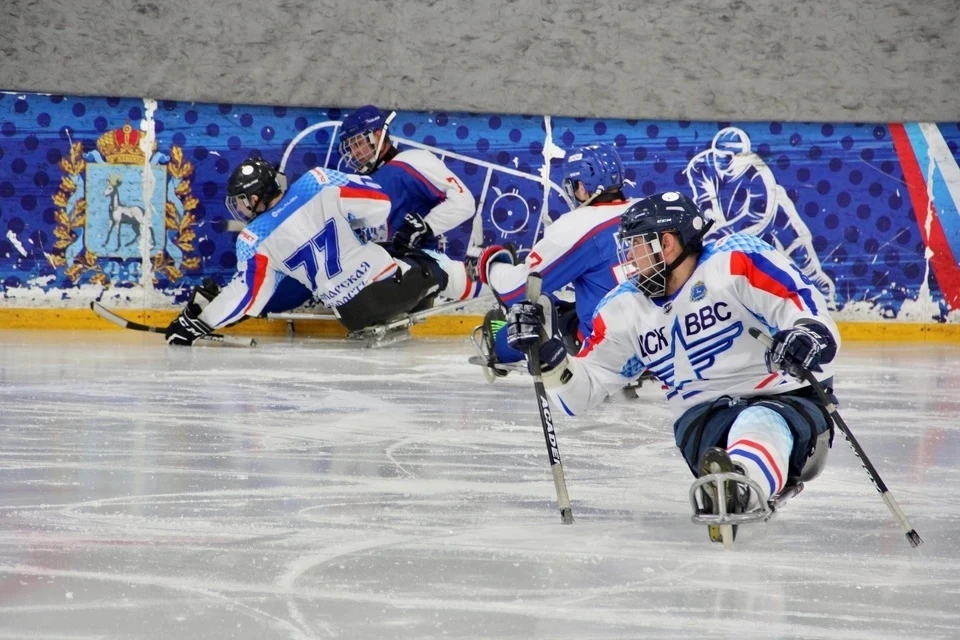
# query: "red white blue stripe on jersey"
595,338
759,455
254,278
552,284
350,191
765,276
419,176
770,378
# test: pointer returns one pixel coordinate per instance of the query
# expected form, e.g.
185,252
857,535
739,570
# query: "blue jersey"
579,249
417,181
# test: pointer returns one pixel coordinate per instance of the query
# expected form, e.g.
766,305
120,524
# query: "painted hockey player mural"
737,189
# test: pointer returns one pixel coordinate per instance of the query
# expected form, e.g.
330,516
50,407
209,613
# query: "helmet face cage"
642,262
361,150
254,177
239,207
570,188
359,146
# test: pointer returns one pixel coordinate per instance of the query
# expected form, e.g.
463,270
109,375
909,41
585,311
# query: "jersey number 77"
323,244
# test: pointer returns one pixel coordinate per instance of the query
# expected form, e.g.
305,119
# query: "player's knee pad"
815,464
759,419
761,442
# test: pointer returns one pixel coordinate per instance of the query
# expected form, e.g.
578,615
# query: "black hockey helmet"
640,238
253,177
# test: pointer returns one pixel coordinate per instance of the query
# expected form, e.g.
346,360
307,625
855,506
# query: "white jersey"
309,236
696,342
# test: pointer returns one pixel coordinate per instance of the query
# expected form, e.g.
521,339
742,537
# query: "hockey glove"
205,293
478,266
527,322
801,348
412,233
188,327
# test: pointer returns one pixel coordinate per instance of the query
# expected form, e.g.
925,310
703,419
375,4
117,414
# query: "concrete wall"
825,60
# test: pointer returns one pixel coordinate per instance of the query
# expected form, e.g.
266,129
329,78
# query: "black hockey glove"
527,322
800,348
413,233
205,292
188,327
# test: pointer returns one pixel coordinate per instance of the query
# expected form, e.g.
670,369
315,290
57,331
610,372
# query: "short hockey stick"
110,316
912,537
534,284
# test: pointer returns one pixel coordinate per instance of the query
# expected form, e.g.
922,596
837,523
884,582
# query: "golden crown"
121,146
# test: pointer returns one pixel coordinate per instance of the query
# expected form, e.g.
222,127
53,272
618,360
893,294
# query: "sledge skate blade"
715,480
382,336
726,535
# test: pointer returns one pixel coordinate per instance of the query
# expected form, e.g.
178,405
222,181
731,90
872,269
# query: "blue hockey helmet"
596,166
642,227
253,177
363,135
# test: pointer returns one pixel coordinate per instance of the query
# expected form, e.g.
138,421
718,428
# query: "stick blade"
566,515
914,538
110,316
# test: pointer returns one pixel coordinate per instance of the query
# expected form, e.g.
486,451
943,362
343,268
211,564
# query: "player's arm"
455,203
793,309
557,259
606,361
246,295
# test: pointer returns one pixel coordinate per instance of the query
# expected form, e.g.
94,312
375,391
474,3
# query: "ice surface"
311,489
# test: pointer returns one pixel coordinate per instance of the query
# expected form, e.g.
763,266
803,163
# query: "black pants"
388,299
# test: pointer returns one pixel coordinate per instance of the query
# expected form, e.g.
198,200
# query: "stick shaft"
861,455
534,283
110,316
912,537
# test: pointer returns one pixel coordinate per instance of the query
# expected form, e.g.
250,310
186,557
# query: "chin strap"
686,250
384,136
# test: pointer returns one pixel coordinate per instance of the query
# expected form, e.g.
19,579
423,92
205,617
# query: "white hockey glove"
478,266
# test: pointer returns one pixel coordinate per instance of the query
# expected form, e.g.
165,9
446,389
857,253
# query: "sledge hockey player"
309,236
579,248
428,199
685,315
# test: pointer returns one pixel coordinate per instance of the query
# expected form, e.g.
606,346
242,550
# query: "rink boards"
447,325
